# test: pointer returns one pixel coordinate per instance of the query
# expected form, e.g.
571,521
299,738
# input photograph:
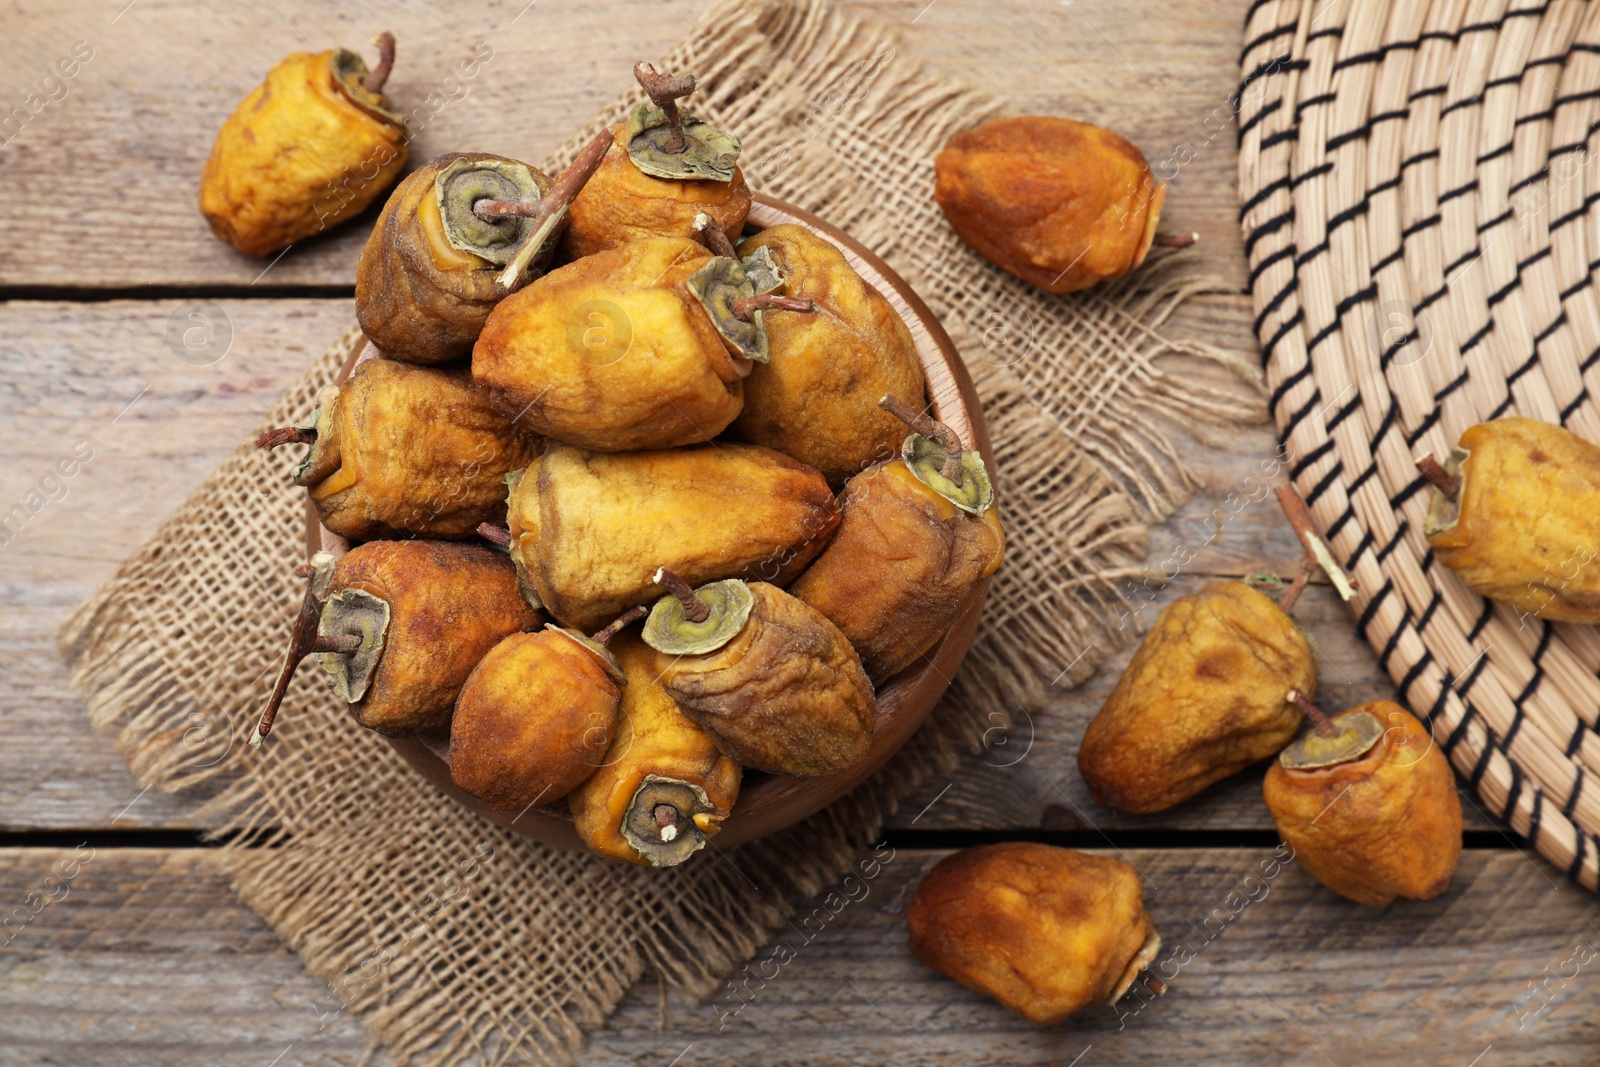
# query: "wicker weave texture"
1418,197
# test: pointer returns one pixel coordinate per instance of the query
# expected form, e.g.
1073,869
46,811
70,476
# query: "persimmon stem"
694,609
666,817
664,91
714,237
1317,553
1319,719
377,76
618,624
922,423
1441,479
547,212
495,535
303,641
286,435
1174,240
745,306
562,190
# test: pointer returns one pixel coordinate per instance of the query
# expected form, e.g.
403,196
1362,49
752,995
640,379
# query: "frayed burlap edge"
448,936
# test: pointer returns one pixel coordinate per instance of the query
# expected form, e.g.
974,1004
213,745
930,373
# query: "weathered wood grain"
148,960
109,171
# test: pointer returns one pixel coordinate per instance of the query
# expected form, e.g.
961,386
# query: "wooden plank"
116,962
104,373
1300,977
146,958
144,110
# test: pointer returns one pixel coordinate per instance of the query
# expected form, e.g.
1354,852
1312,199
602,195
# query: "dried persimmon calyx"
709,155
666,820
719,285
358,613
1324,742
350,74
463,184
762,271
669,629
672,145
927,459
1444,510
608,661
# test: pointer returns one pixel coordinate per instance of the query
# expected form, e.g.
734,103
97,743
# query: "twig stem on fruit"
922,423
694,609
1441,479
377,76
1319,719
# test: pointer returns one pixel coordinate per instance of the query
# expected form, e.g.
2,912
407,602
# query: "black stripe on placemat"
1267,229
1344,413
1445,689
1574,871
1483,620
1261,39
1490,747
1283,330
1427,424
1326,483
1572,408
1505,216
1269,108
1423,663
1452,742
1370,612
1500,408
1513,792
1571,804
1309,458
1555,324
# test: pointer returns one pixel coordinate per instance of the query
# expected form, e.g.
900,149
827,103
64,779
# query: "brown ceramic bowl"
768,803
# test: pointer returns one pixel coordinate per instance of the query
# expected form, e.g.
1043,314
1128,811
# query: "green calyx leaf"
349,71
717,285
708,154
462,184
762,271
926,457
354,611
1358,732
667,629
1444,513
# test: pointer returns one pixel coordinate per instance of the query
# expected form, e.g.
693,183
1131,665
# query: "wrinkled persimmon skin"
622,203
413,450
449,604
533,721
1045,931
653,737
1526,532
1062,204
817,398
904,565
612,353
1384,826
418,298
787,695
298,156
1203,698
590,528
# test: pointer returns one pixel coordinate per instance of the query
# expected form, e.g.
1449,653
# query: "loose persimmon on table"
145,956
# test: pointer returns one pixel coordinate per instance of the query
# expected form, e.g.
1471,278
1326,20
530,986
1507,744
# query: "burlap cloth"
449,937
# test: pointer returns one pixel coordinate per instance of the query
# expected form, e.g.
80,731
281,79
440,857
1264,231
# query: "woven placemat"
449,937
1418,201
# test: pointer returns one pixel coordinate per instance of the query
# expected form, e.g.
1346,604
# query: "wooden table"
149,959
